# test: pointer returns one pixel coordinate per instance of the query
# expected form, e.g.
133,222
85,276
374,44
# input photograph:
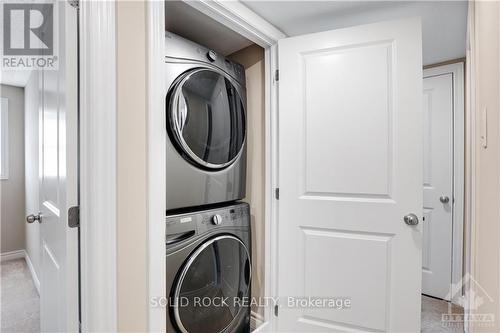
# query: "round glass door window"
213,286
207,118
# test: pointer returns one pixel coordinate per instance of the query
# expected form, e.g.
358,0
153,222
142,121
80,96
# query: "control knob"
216,219
211,55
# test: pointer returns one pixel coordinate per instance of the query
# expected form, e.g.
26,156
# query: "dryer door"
213,286
207,118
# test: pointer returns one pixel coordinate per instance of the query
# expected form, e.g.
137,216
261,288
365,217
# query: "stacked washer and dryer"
208,238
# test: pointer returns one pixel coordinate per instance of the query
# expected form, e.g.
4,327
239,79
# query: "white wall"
12,189
32,231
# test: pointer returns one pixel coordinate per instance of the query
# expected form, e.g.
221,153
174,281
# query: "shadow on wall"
252,58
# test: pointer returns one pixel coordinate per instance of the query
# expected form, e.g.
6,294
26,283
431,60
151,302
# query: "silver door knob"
411,219
32,218
444,199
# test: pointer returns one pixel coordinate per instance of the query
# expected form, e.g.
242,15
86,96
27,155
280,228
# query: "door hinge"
277,75
277,193
74,3
74,217
276,308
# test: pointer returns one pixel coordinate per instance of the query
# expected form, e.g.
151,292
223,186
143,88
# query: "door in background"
438,185
350,174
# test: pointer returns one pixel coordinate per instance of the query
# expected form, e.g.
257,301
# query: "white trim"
98,166
11,255
4,132
256,322
470,154
457,72
157,137
34,276
238,17
263,328
272,183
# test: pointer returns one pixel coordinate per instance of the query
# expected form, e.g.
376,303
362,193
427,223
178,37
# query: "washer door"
218,270
207,118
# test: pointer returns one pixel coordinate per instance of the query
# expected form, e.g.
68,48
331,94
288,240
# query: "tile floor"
432,311
20,303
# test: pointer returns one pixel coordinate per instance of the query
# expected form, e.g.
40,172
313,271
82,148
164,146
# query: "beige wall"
486,242
132,228
252,58
12,189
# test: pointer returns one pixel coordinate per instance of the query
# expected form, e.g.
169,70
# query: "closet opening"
217,122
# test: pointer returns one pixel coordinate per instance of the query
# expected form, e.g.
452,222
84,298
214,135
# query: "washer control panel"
181,227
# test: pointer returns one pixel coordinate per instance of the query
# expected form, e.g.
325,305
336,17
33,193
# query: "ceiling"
189,23
444,23
17,78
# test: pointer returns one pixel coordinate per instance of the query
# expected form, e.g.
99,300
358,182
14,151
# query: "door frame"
98,166
245,22
98,152
456,69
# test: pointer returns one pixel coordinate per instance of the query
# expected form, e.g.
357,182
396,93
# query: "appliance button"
216,219
211,55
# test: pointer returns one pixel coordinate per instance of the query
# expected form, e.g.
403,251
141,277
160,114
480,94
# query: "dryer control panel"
181,48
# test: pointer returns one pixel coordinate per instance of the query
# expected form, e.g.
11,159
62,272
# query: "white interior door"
438,185
350,169
58,182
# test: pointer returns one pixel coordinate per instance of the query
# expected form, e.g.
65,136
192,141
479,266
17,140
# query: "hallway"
20,304
432,312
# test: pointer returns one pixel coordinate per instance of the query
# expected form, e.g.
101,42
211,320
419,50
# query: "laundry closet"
215,111
315,177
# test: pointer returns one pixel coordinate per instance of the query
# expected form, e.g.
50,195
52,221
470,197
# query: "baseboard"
256,320
36,281
12,255
20,254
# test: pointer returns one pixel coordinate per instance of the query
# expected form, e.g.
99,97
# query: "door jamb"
157,140
242,20
457,71
98,166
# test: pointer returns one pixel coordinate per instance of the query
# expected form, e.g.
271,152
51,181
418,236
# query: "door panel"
53,305
53,226
350,169
363,76
438,181
58,181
